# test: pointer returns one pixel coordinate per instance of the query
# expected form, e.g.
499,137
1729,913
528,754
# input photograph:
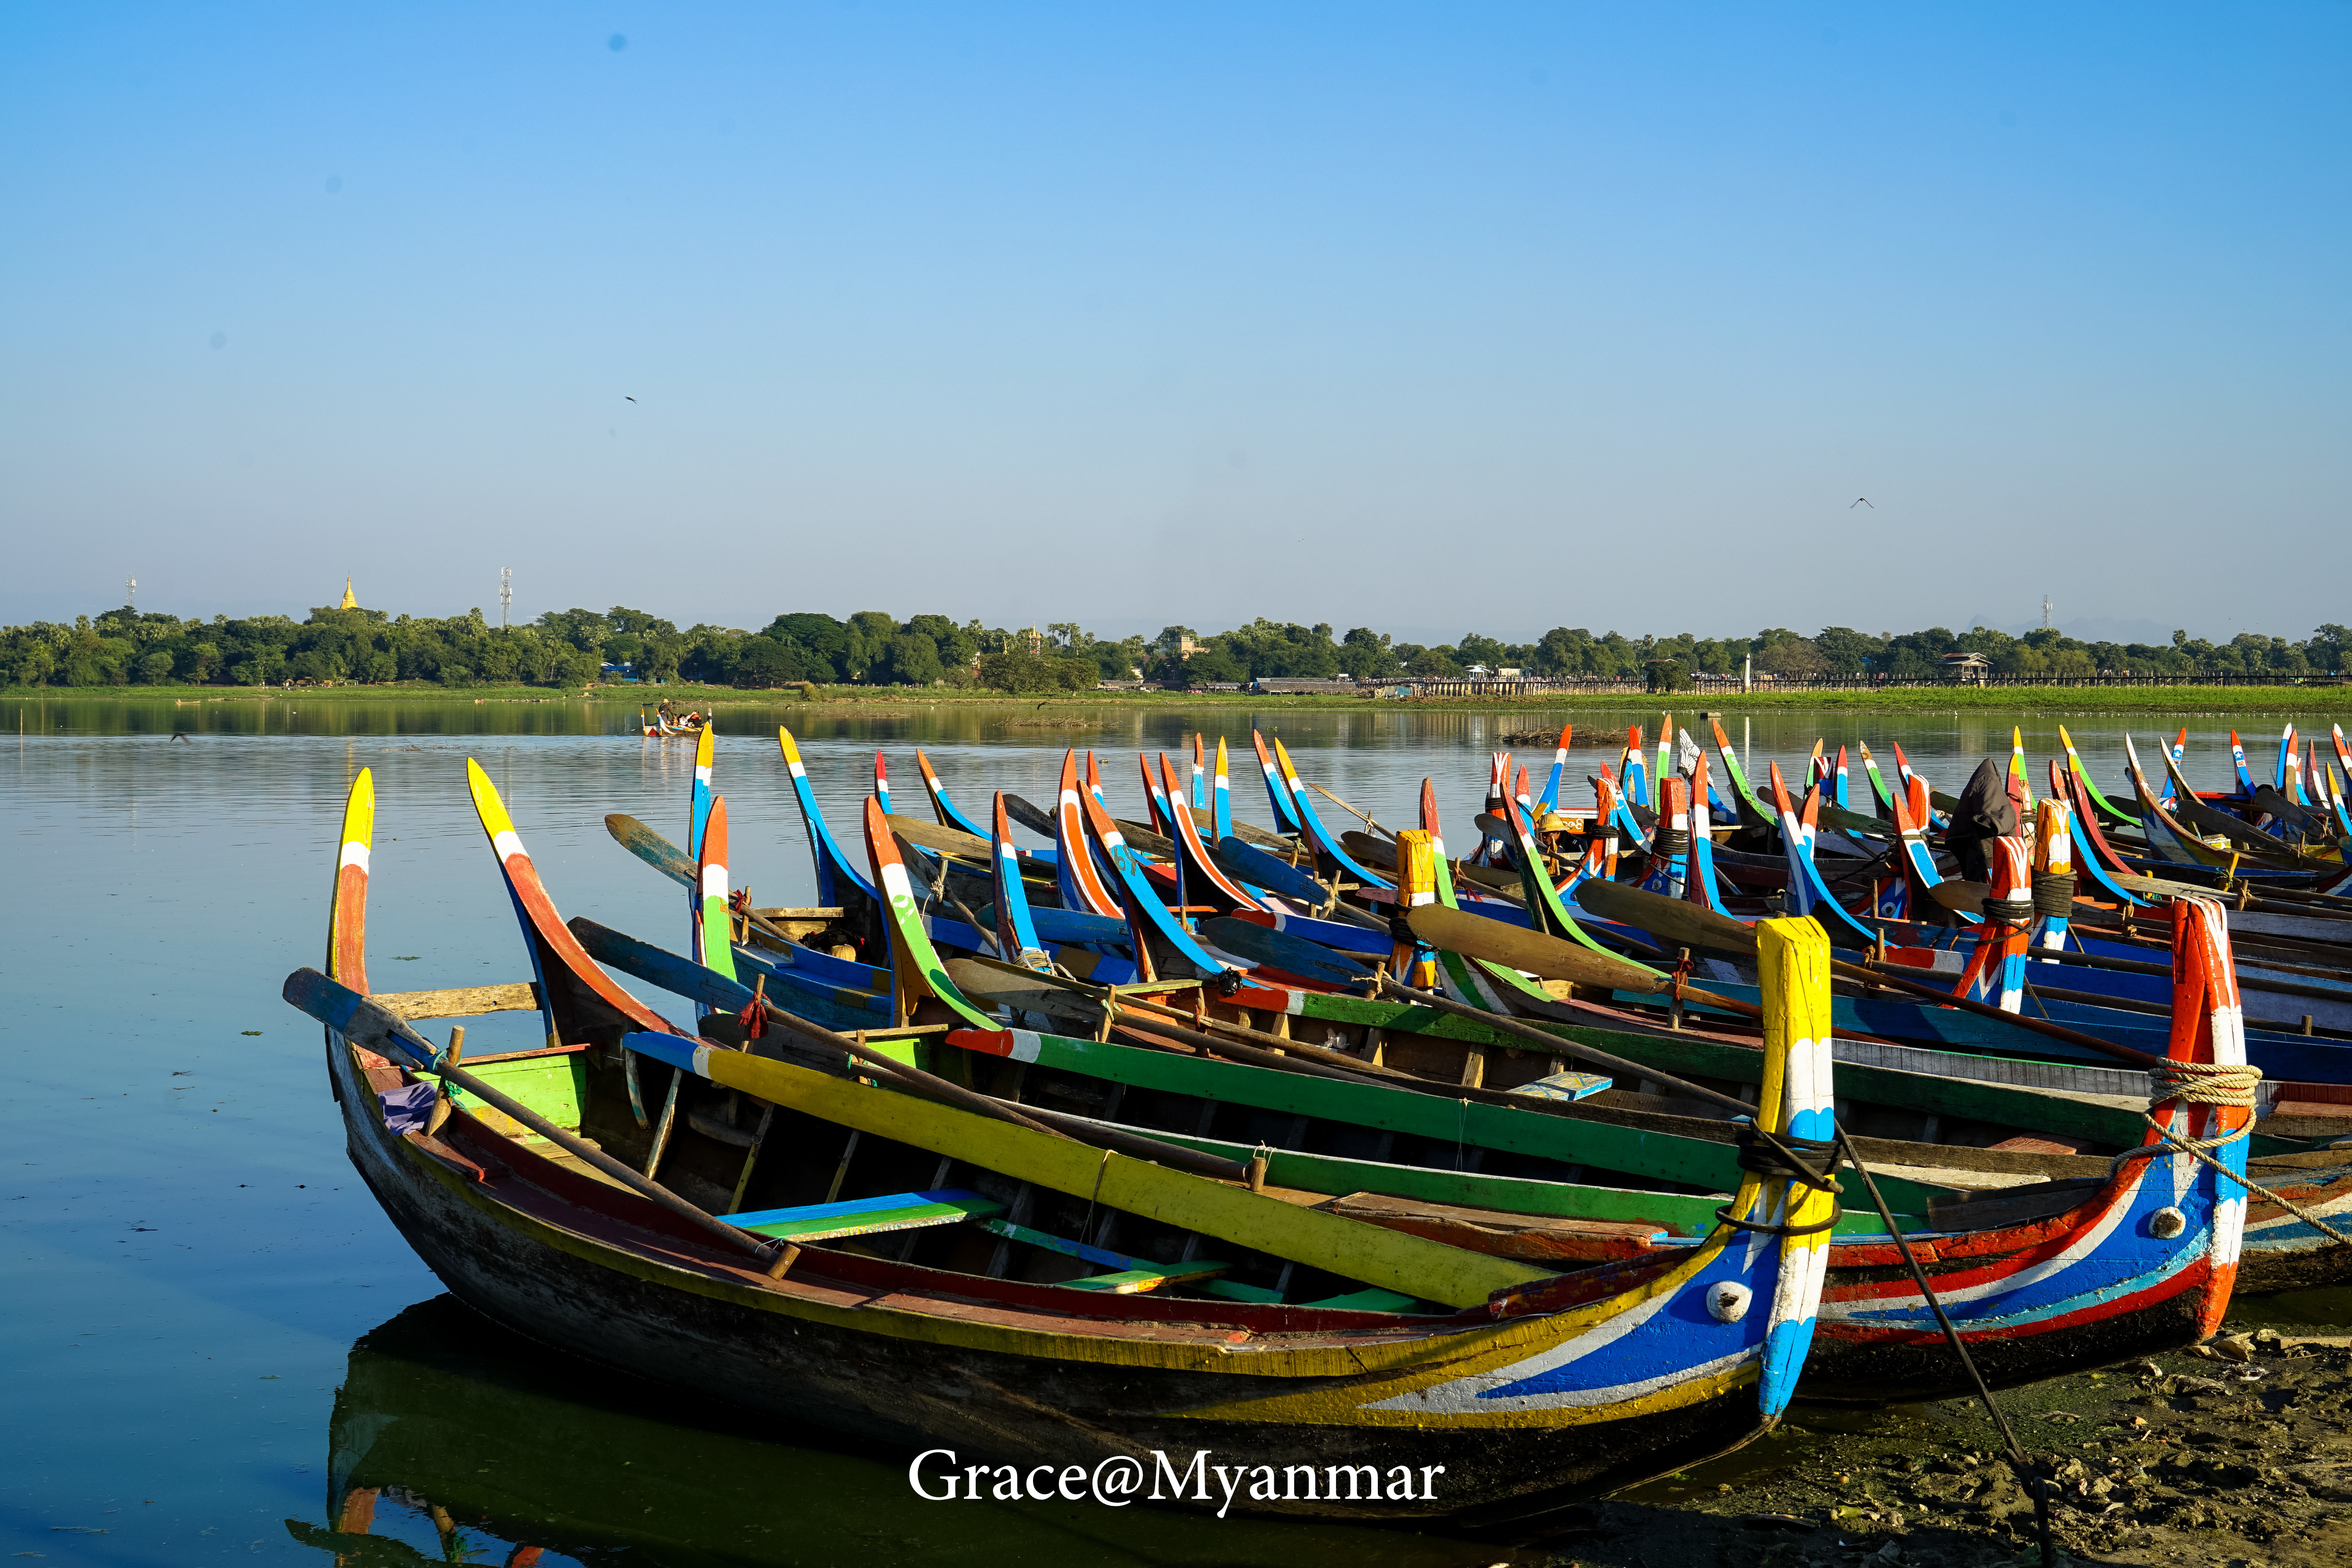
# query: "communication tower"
506,592
2045,612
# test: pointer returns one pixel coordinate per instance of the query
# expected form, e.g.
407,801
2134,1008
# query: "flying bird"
633,400
1858,500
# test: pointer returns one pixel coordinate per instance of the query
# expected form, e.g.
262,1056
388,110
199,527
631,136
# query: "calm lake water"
209,1322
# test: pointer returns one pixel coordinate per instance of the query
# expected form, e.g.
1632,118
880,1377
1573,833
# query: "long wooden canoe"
1540,1386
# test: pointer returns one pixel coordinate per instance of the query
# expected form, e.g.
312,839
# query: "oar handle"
934,1086
365,1023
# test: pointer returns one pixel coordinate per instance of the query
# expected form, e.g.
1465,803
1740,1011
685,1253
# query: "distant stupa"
350,600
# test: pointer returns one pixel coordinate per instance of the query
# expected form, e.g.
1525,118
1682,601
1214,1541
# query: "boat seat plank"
866,1217
1372,1300
1132,1274
1234,1290
1135,1281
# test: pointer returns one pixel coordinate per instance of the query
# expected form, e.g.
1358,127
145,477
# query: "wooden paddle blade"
1967,898
1292,954
1028,816
945,840
1671,920
651,847
1474,936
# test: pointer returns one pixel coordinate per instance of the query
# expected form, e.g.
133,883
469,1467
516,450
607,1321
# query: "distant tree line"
572,648
1264,649
561,648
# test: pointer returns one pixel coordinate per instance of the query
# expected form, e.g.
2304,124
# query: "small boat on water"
900,1256
664,726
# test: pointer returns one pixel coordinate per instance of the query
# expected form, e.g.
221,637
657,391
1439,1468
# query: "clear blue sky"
1499,317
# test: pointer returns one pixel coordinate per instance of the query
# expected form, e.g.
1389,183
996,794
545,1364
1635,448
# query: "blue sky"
1496,317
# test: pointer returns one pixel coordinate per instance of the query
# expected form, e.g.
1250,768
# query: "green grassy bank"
2230,700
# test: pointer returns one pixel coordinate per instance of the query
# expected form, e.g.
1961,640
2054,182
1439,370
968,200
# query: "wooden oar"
1255,1047
1381,857
1537,953
1688,925
365,1024
1363,816
670,860
1008,982
949,841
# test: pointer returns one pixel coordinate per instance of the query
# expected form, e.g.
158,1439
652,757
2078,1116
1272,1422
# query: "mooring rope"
2215,1083
2036,1487
2053,894
1788,1158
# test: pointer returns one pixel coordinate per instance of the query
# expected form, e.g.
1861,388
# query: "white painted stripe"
508,844
714,881
1025,1044
355,854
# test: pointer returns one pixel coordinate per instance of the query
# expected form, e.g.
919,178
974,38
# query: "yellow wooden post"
1792,960
1416,865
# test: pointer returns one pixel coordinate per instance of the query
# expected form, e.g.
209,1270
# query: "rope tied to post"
2053,894
2212,1083
2206,1083
1785,1157
2012,911
2194,1083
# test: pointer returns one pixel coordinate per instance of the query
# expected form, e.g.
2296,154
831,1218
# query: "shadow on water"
455,1440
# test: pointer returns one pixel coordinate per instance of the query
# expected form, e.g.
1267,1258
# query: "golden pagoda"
350,600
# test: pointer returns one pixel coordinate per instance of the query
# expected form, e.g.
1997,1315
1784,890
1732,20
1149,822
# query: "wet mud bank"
2239,1455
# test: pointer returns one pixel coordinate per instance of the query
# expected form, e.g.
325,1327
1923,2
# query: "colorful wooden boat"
1526,1385
2036,1291
2038,1115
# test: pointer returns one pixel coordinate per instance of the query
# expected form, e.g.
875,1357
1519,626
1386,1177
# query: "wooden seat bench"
866,1217
916,1211
1131,1275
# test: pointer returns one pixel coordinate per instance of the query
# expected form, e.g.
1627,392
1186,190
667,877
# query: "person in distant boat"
663,710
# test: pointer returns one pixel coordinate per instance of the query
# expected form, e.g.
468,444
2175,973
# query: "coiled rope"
2010,912
1812,1162
2214,1083
2053,894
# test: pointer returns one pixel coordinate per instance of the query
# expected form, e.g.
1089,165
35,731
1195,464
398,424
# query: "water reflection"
453,1440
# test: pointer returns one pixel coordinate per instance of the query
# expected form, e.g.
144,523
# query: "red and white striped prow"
1188,834
544,925
1076,859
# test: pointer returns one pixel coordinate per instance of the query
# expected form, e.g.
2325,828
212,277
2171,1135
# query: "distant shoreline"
2223,701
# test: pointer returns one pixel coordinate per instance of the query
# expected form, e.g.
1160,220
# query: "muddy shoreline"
2188,1458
